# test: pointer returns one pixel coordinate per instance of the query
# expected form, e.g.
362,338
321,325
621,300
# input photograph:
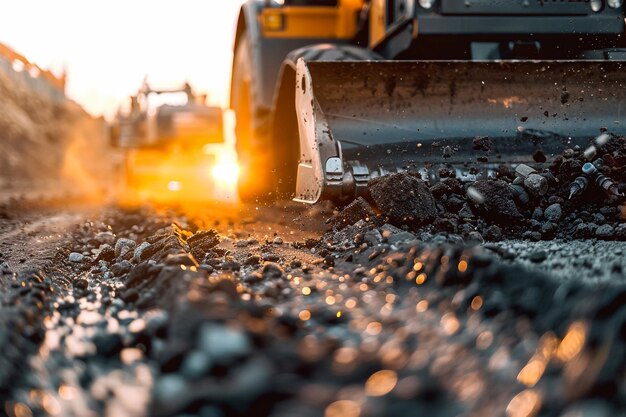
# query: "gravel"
450,298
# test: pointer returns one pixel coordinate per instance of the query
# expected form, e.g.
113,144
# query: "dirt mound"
46,143
577,195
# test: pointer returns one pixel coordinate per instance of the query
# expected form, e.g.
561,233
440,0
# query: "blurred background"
67,70
107,47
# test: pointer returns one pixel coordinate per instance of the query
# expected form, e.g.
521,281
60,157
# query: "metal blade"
394,115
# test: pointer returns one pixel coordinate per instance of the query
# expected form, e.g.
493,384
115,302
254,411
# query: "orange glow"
186,171
422,306
525,404
477,303
533,371
343,408
381,383
573,342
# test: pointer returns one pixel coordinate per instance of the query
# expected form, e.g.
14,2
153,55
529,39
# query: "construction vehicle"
331,93
173,144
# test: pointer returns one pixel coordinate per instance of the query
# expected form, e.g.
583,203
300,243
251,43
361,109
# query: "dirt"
254,312
46,144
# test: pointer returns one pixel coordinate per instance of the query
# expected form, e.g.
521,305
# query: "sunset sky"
109,46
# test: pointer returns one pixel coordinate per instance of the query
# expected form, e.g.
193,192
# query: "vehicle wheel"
255,182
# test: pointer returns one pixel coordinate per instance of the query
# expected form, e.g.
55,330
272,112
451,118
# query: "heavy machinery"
331,93
172,145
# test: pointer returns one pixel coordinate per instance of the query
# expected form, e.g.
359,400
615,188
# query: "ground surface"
255,311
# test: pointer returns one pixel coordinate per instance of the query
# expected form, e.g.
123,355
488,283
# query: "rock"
466,212
202,242
519,194
124,246
230,265
81,284
196,364
475,237
253,278
536,184
482,143
524,171
223,344
538,256
537,213
272,270
530,235
105,238
493,234
403,198
585,230
498,202
359,209
139,251
549,229
130,296
598,218
373,237
252,260
170,394
120,268
539,156
76,257
605,231
447,151
278,240
107,253
553,213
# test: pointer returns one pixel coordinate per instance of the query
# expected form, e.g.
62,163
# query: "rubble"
562,201
403,198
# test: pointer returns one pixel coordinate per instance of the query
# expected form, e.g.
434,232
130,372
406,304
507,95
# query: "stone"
403,198
553,213
76,257
107,253
359,209
223,344
536,184
605,231
538,256
196,364
482,143
272,270
498,203
124,246
139,251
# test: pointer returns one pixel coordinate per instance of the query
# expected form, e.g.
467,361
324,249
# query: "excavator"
329,94
173,146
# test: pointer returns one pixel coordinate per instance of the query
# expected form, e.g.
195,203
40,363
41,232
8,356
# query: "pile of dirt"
577,195
48,143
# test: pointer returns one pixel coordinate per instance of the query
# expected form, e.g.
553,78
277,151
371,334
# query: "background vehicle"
173,145
422,80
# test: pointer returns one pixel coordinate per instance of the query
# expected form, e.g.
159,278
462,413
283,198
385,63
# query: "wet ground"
256,311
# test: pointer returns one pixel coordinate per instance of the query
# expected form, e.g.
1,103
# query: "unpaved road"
253,311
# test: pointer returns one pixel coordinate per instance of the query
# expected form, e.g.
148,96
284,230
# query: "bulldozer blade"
359,120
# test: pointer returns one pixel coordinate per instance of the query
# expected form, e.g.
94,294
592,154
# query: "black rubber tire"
332,52
251,129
